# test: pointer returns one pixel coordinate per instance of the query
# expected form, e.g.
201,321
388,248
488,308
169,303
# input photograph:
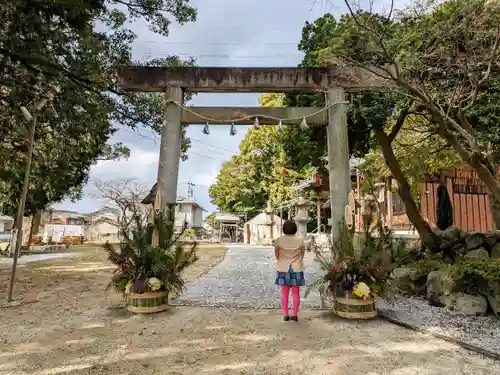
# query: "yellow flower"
154,283
362,290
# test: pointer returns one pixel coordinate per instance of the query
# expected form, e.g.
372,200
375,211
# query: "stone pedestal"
302,217
269,238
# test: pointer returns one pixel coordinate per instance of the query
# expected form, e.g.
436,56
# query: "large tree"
445,60
262,170
72,47
309,147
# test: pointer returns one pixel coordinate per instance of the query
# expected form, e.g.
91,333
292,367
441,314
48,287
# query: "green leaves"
62,44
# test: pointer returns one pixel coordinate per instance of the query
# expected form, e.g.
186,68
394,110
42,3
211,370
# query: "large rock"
404,278
475,241
495,251
439,288
457,251
494,299
479,254
453,234
467,304
492,238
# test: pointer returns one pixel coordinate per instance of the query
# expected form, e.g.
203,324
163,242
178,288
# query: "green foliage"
418,153
477,276
259,173
210,220
350,262
309,147
61,44
138,260
189,233
444,59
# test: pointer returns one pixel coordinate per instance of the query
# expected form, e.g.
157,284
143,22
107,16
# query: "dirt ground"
76,328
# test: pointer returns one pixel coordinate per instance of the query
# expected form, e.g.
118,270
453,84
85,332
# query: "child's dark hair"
289,227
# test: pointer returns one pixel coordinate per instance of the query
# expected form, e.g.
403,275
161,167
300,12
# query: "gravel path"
245,278
479,331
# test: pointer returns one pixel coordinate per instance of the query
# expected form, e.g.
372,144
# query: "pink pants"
285,292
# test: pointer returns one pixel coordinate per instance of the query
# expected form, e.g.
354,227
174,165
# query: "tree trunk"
495,211
494,202
423,228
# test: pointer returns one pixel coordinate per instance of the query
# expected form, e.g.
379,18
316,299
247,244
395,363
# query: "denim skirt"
290,278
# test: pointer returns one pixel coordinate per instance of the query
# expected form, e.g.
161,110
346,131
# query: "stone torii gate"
174,82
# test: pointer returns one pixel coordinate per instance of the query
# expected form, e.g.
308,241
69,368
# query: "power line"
192,152
225,56
217,42
209,144
156,139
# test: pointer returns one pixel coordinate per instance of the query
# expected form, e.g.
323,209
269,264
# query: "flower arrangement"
144,267
355,279
357,271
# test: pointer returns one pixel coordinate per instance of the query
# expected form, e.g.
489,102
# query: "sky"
226,33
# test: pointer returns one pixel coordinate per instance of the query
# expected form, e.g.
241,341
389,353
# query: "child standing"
289,250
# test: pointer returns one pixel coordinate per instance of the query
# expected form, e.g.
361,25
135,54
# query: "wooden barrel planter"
147,303
351,308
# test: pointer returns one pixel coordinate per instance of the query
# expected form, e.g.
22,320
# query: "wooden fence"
469,199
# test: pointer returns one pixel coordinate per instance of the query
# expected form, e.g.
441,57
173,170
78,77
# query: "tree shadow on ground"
221,341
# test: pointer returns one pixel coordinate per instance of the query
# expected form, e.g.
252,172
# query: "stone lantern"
302,216
269,211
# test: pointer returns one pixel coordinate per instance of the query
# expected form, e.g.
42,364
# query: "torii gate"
175,81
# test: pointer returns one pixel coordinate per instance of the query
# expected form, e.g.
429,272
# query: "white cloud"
142,164
205,179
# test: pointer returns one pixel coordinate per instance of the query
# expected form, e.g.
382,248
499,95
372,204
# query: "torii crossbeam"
175,81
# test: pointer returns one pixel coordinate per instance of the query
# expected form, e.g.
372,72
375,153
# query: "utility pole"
190,189
37,106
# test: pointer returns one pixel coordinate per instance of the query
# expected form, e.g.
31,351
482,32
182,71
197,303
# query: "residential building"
6,223
102,225
187,211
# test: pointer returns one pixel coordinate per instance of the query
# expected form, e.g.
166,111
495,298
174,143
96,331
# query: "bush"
143,267
477,276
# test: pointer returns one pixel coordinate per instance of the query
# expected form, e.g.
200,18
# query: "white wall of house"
102,231
183,213
190,213
5,223
57,231
257,232
197,217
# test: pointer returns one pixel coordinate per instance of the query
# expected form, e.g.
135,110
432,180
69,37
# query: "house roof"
105,220
226,216
5,218
104,209
150,199
65,213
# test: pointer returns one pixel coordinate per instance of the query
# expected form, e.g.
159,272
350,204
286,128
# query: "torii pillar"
170,148
338,157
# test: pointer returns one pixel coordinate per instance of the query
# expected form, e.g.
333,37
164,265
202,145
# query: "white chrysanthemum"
154,283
